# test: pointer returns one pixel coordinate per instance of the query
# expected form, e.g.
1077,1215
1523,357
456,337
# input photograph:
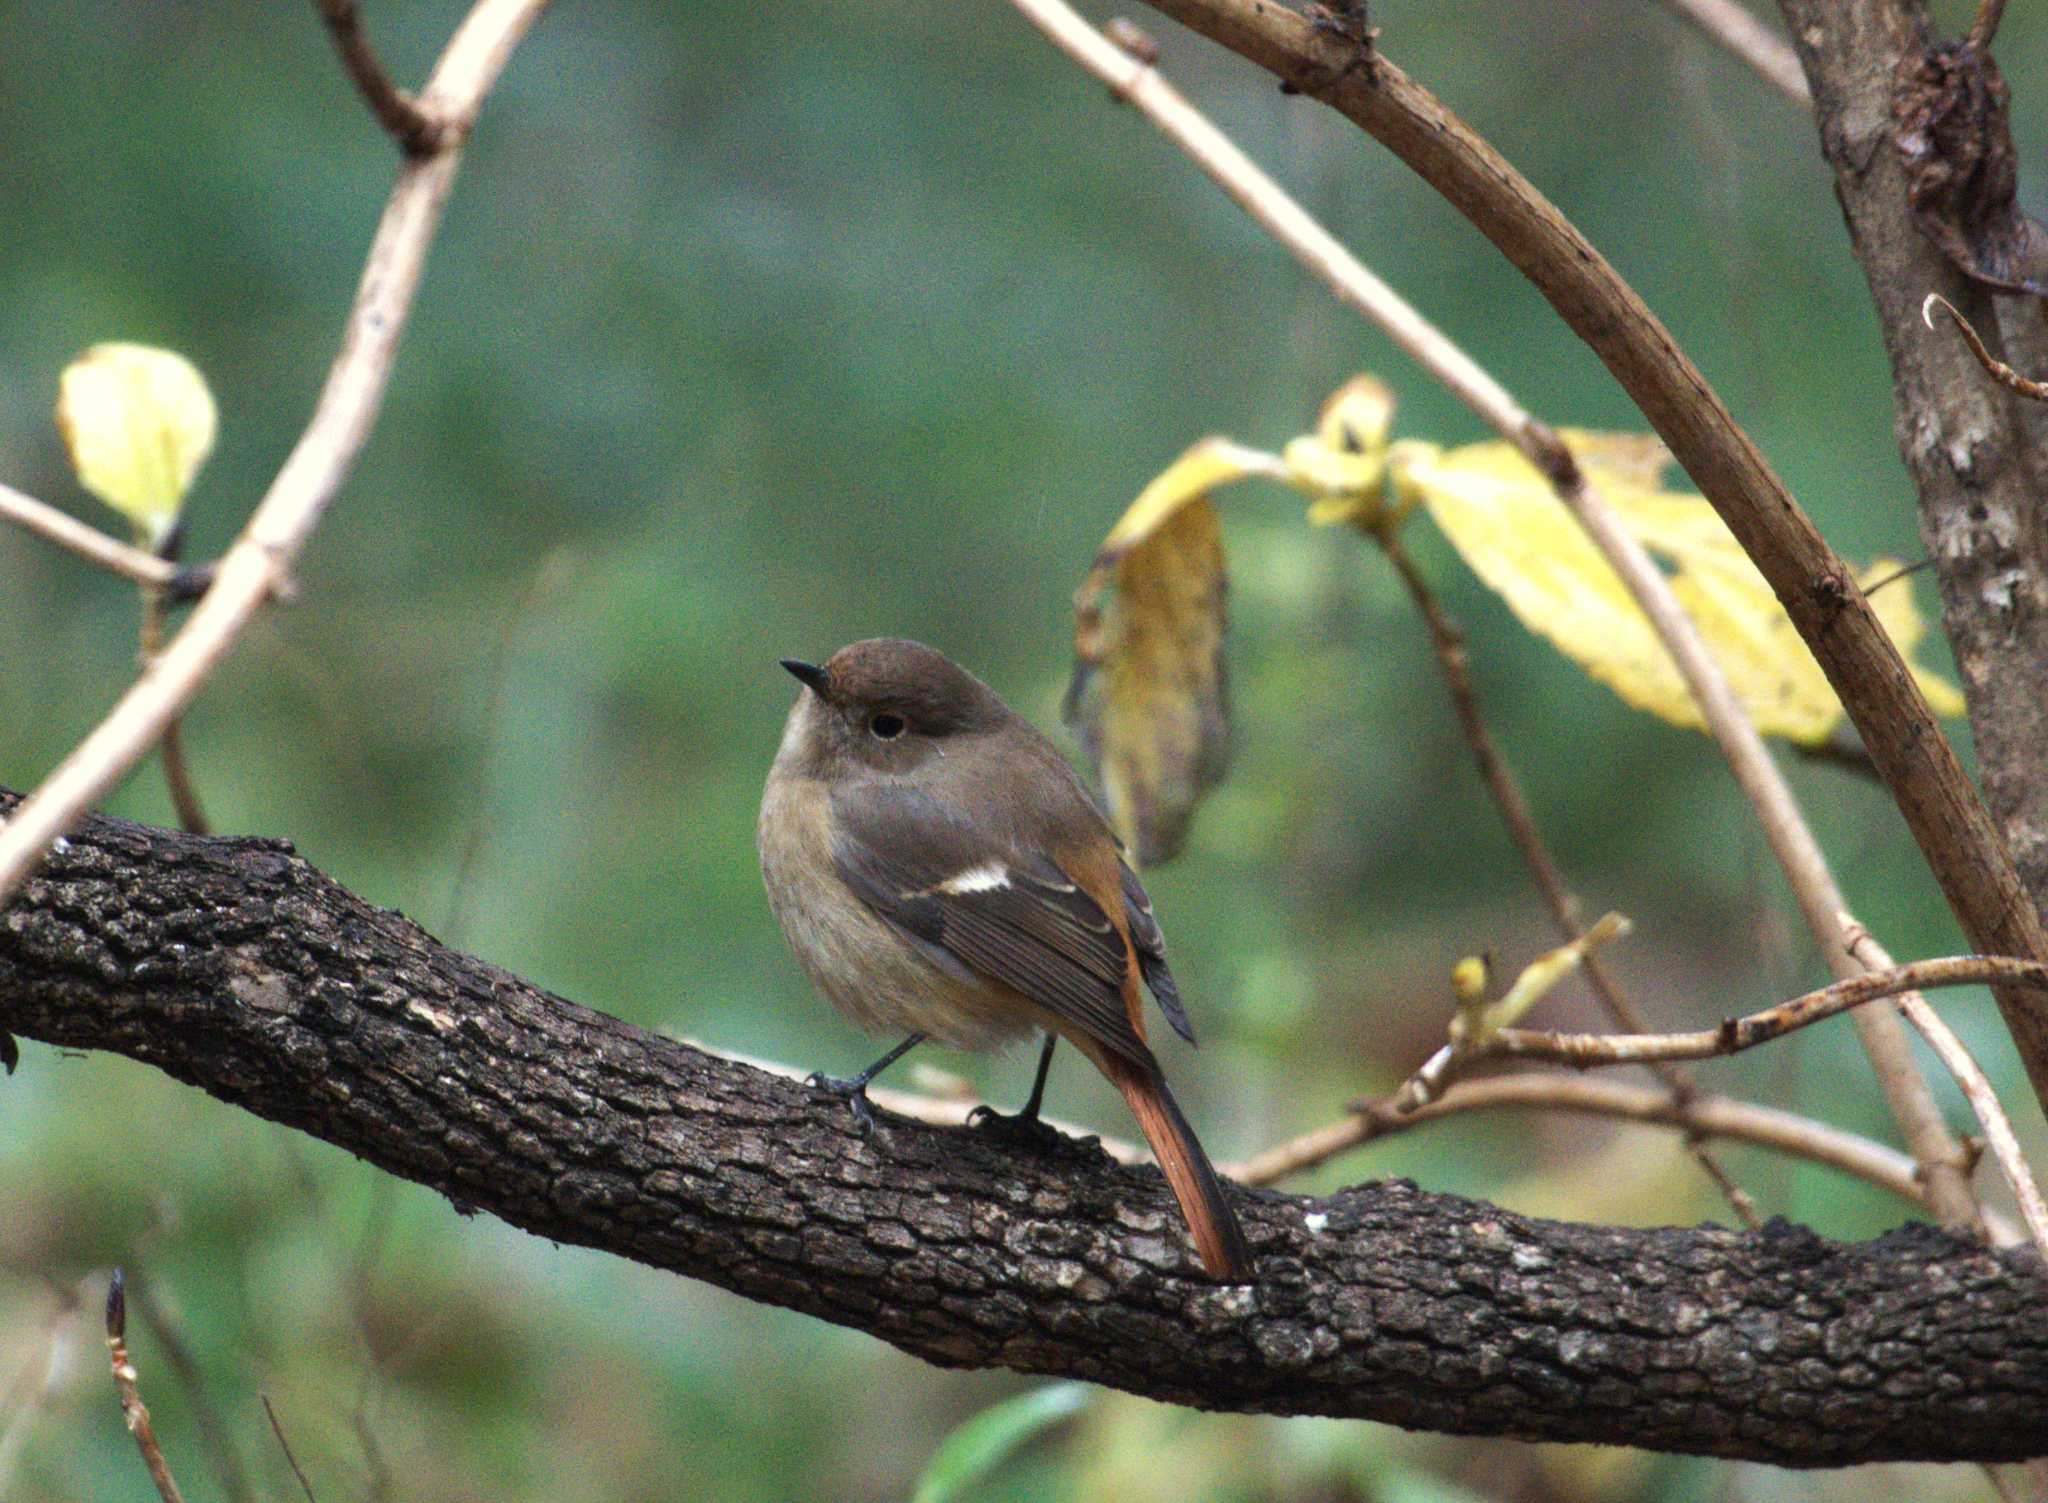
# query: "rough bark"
1981,502
233,965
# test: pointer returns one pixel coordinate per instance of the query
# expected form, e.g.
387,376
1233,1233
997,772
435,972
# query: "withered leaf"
1149,698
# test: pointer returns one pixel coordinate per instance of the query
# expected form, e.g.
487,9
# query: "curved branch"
397,111
1818,591
233,965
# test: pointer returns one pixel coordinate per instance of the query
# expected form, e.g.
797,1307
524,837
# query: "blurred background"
756,329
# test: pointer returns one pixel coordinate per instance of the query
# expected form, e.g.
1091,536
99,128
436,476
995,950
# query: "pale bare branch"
1750,39
258,567
133,1410
1976,1089
88,542
1718,1116
1587,1050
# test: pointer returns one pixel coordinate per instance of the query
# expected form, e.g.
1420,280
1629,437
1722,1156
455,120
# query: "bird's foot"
1029,1130
854,1093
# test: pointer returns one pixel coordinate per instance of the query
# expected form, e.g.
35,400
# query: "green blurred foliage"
752,330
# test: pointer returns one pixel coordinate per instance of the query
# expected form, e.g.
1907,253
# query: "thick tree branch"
1940,805
233,965
1981,509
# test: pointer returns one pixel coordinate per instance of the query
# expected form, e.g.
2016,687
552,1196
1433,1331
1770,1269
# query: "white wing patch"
990,876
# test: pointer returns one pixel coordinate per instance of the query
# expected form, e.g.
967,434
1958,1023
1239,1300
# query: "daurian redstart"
940,872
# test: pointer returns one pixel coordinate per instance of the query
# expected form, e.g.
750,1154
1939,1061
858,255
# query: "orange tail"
1218,1237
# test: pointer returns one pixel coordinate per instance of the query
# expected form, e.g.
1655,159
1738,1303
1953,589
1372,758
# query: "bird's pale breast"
878,976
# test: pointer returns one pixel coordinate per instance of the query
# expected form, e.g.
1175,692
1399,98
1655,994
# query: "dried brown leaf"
1149,697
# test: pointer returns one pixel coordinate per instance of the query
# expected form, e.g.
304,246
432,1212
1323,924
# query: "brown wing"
1151,947
1008,915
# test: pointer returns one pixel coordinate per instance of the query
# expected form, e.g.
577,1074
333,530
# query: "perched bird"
940,872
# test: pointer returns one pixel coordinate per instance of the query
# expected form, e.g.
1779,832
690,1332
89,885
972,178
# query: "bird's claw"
1023,1128
855,1094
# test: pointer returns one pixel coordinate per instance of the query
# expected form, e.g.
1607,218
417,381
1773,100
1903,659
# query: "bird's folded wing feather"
1011,916
1150,944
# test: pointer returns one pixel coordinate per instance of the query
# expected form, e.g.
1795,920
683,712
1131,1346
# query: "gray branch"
1982,480
234,966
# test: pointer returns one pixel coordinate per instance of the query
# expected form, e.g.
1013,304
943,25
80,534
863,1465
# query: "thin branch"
1976,1089
171,749
1515,813
1998,370
1940,804
133,1410
1139,83
414,128
277,1429
1984,29
1718,1116
88,542
258,567
1820,898
234,1482
1587,1050
1743,34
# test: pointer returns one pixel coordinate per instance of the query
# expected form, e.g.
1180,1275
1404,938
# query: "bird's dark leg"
1037,1096
1023,1123
856,1090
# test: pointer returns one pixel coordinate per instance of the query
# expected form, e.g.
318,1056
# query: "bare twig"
1740,31
1976,1089
171,749
88,542
234,1482
1941,806
258,567
277,1429
1515,813
1587,1050
1758,776
415,129
1999,371
1718,1116
2007,1488
133,1410
1985,28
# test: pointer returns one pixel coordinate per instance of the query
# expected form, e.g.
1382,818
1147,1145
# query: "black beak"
810,675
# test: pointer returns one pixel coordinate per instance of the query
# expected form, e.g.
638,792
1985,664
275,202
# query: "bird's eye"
886,726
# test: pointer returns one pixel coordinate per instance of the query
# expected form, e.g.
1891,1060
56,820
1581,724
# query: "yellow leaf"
1148,695
138,422
1343,462
1509,526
